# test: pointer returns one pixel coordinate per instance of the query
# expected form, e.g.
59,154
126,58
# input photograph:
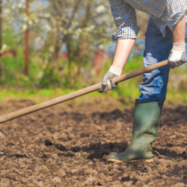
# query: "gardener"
165,39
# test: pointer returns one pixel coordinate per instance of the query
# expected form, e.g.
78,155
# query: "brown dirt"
66,145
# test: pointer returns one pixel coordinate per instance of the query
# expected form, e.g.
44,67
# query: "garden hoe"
37,107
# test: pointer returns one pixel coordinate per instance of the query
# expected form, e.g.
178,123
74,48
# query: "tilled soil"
66,145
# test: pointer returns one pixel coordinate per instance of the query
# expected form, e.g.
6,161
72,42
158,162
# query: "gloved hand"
177,56
107,82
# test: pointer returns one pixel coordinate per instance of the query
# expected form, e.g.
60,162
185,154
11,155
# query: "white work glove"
107,82
177,56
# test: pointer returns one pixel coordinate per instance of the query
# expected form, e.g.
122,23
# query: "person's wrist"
179,40
180,47
115,70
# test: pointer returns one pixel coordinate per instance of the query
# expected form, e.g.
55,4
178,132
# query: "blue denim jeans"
157,49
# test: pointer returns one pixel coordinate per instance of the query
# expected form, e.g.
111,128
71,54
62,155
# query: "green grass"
17,86
128,95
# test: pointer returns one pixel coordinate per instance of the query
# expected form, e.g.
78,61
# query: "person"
164,39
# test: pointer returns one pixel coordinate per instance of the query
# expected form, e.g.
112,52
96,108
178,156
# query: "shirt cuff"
126,32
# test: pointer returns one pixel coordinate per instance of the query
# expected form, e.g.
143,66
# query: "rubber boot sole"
119,161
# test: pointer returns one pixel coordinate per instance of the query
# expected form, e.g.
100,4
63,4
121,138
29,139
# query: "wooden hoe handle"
78,93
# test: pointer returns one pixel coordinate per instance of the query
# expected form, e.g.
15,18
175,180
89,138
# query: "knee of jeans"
154,86
154,78
152,93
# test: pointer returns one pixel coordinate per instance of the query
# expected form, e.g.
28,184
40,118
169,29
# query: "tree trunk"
1,24
27,41
71,60
58,43
79,60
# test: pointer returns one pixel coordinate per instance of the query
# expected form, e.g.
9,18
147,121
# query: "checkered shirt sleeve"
173,13
125,19
164,13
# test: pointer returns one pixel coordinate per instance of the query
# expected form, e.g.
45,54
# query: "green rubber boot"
146,122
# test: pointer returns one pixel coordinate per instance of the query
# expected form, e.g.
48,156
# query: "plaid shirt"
163,12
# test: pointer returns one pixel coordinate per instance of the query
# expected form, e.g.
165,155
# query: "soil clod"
67,145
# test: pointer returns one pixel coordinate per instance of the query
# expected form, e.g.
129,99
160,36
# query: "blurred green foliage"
53,83
80,26
50,78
